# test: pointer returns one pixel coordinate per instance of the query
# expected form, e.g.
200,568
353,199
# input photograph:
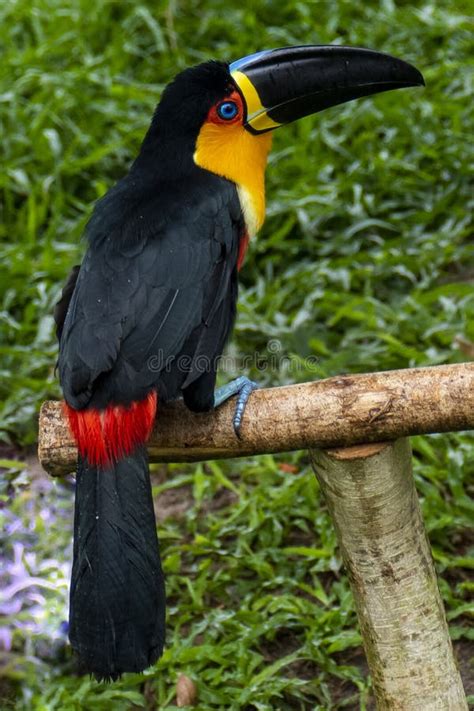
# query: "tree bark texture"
372,499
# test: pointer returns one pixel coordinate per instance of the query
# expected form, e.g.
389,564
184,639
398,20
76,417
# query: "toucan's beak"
282,85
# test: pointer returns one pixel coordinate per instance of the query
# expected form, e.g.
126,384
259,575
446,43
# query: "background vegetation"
366,261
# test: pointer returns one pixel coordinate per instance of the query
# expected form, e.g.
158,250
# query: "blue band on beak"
239,63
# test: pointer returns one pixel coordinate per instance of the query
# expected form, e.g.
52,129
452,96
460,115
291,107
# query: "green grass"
366,262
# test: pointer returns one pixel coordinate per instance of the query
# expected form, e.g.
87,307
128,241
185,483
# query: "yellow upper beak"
257,116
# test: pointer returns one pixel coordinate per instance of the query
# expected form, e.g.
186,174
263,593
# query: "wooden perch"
336,412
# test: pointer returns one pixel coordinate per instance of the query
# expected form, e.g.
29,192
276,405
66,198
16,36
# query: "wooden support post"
371,495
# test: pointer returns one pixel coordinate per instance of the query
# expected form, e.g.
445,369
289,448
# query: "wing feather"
155,297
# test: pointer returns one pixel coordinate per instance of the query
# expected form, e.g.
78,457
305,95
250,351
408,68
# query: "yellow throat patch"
234,153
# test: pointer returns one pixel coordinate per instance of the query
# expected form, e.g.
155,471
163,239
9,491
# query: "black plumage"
158,283
141,300
117,616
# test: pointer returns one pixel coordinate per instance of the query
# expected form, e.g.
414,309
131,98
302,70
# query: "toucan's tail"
117,602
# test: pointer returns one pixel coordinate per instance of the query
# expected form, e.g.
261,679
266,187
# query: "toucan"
147,314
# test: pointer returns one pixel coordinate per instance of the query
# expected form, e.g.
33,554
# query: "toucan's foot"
243,387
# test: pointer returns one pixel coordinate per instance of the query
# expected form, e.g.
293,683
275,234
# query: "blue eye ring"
227,110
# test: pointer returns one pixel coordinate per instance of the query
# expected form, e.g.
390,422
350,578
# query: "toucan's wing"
150,285
60,309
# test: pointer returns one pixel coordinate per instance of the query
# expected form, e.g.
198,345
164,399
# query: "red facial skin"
213,116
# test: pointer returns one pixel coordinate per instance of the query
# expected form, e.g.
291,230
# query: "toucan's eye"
228,110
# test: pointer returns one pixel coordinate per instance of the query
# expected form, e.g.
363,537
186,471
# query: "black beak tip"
404,72
418,78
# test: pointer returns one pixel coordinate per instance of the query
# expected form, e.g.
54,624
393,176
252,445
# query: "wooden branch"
339,411
372,499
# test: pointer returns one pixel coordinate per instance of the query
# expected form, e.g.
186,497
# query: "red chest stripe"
243,244
104,436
